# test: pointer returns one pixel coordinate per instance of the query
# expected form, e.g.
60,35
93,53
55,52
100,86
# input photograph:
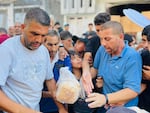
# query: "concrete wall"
53,8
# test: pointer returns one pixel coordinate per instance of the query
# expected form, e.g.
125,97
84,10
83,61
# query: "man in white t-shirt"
25,65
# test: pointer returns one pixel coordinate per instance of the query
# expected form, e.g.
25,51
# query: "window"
90,3
72,3
65,4
81,3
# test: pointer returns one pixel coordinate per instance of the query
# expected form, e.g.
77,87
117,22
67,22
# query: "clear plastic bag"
68,87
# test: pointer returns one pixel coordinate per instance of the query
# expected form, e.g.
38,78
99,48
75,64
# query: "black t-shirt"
145,57
144,97
92,45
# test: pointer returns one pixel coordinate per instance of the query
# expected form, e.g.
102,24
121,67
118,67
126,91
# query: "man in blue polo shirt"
120,68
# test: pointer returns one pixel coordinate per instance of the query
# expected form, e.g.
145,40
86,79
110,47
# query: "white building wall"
9,13
3,16
80,15
79,24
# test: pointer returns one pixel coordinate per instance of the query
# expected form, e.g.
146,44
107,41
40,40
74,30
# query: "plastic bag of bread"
68,87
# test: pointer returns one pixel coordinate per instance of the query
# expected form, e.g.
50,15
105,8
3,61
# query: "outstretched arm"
113,99
86,75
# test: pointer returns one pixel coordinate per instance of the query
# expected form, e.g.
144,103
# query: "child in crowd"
80,106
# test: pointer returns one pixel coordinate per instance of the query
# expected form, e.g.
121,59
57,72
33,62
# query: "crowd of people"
12,31
113,69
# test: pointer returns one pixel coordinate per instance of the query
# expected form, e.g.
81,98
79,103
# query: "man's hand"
146,72
96,100
62,53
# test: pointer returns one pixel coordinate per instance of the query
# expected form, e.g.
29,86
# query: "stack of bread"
68,87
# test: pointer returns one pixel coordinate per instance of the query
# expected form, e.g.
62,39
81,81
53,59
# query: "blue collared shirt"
119,72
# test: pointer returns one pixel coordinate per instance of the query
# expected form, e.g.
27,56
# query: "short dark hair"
66,25
80,39
38,15
57,23
146,30
148,36
52,33
72,52
116,27
101,18
128,38
90,24
3,30
65,35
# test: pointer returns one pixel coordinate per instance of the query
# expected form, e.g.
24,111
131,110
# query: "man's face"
67,43
79,46
90,27
33,34
145,43
52,44
98,28
66,28
11,30
17,28
110,41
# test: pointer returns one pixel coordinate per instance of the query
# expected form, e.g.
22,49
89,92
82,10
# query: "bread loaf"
68,92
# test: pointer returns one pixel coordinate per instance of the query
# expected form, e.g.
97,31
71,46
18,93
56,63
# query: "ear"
22,26
122,36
